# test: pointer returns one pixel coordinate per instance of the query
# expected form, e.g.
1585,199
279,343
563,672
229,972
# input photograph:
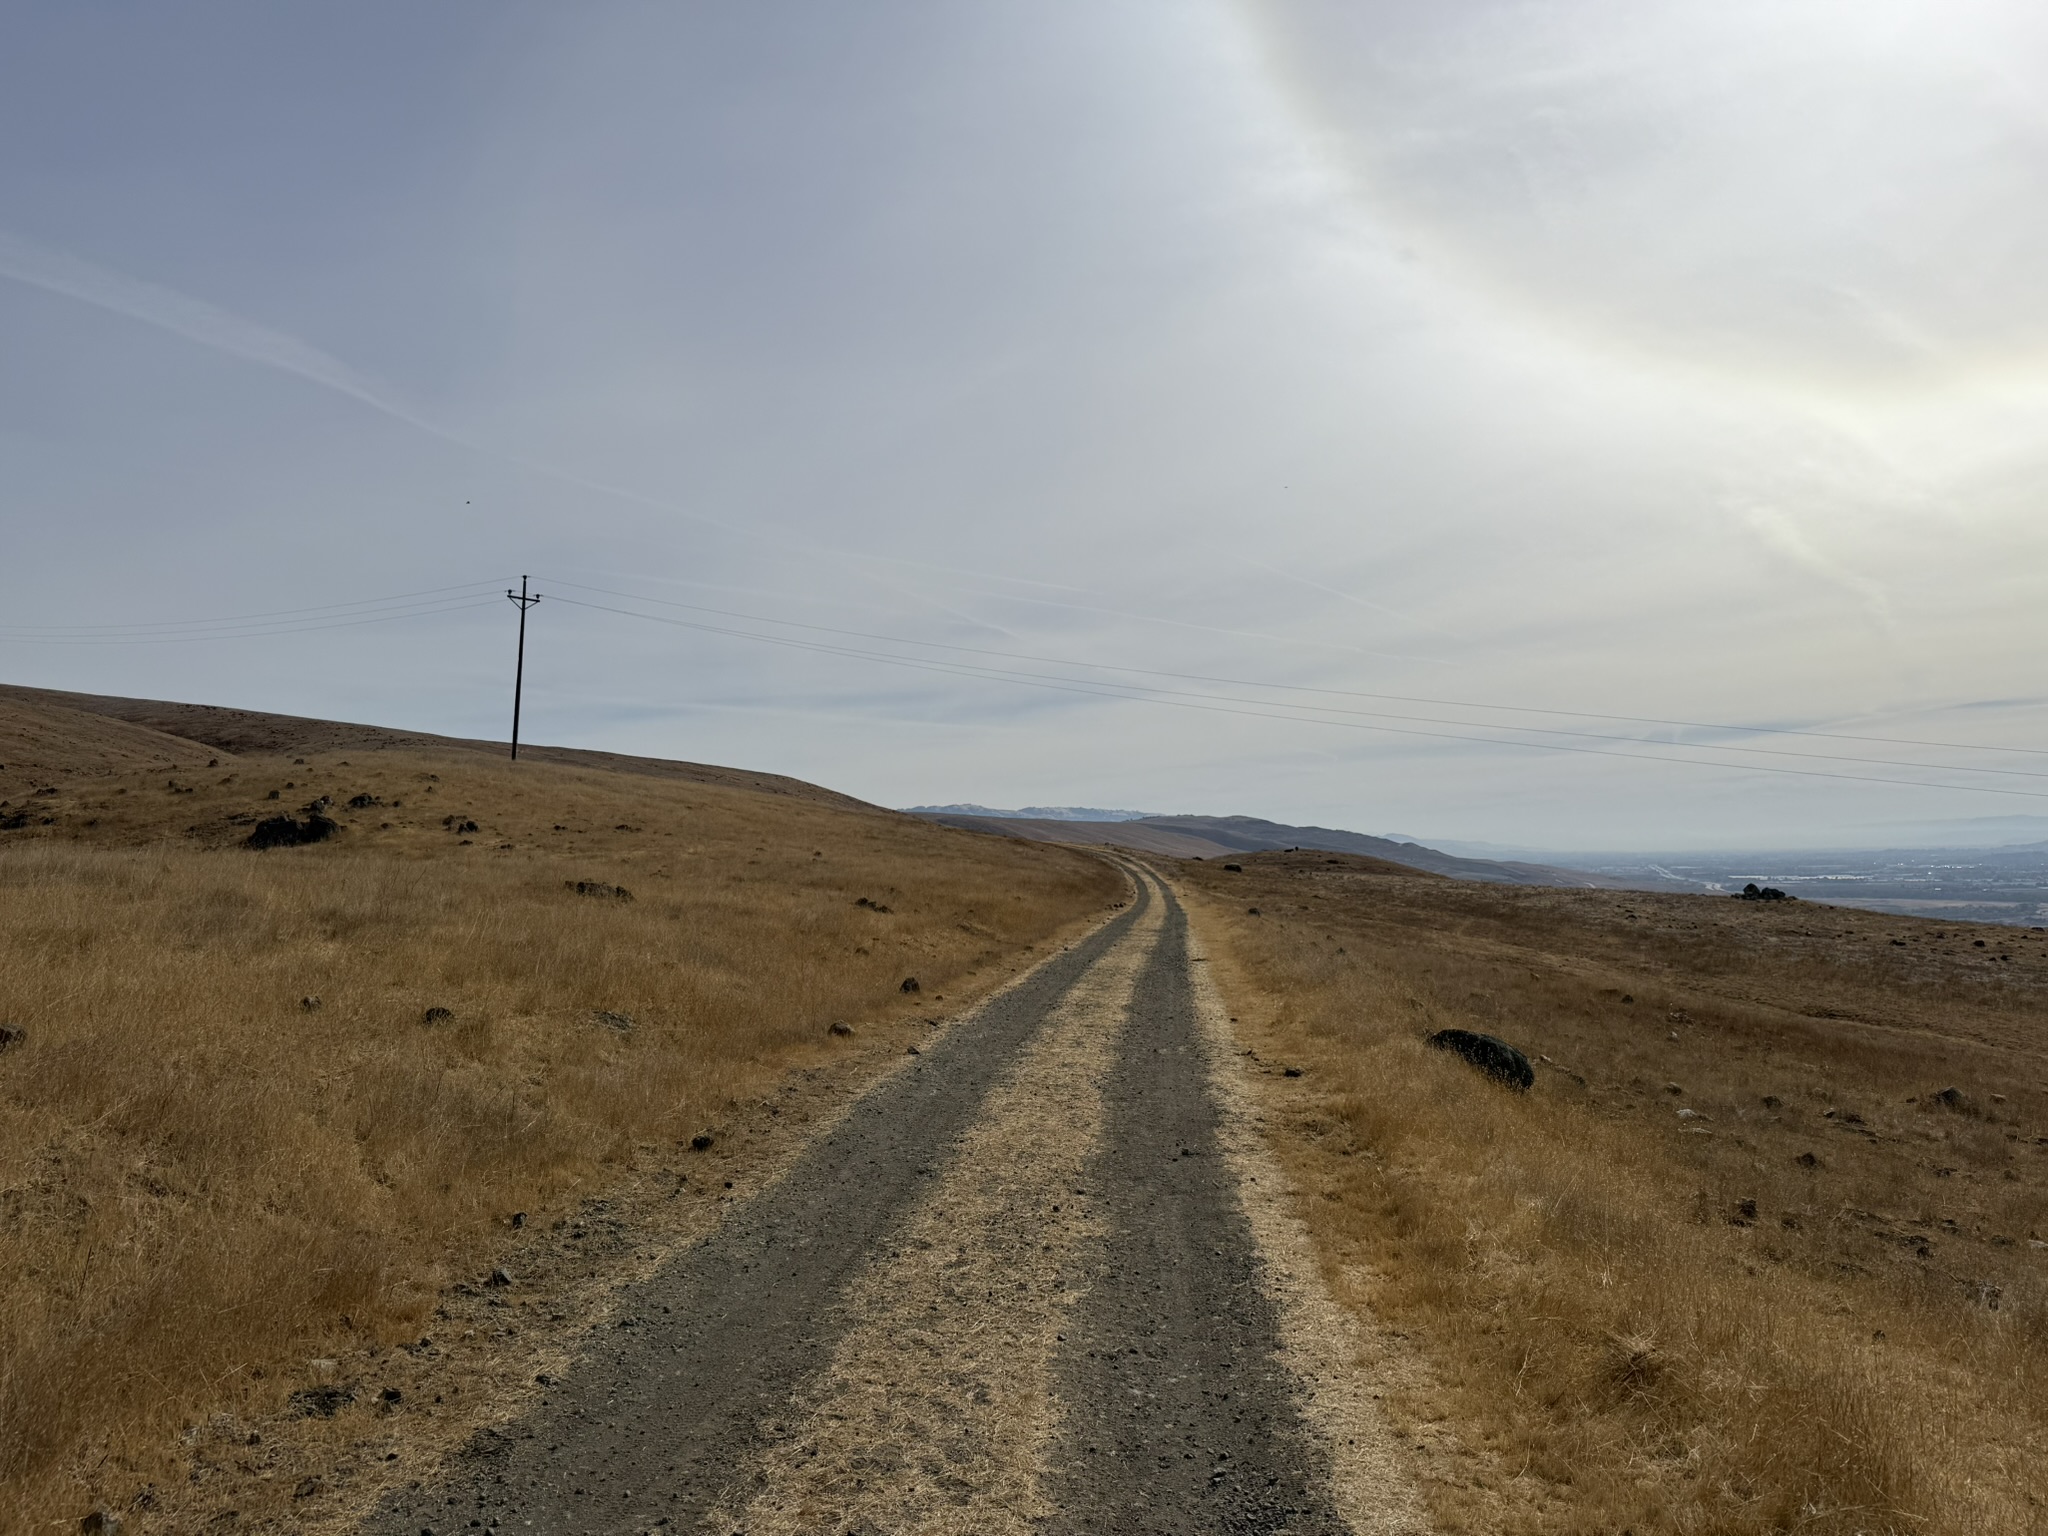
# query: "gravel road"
1015,1289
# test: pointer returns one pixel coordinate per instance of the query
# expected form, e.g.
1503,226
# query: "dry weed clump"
1732,1265
267,1105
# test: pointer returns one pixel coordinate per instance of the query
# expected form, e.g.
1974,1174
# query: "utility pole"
519,674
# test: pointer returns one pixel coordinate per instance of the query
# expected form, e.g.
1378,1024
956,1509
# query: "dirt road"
1027,1284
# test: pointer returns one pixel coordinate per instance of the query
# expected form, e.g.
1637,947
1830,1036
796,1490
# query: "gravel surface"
1015,1289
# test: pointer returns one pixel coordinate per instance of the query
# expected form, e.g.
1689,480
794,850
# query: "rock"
1752,892
701,1142
910,984
1493,1056
391,1395
101,1522
836,1028
1953,1099
1251,911
12,1035
1673,1088
310,1002
1290,1071
1772,1101
913,1051
1745,1212
596,888
519,1218
1691,1114
363,802
322,1402
1235,869
437,1016
308,1486
283,832
872,906
622,1022
500,1276
1807,1160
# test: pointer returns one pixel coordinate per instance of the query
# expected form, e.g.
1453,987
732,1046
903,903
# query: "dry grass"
204,1182
1817,1302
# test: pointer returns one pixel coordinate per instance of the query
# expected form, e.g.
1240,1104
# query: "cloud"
1784,537
195,320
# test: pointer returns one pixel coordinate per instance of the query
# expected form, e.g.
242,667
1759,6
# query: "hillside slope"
1207,837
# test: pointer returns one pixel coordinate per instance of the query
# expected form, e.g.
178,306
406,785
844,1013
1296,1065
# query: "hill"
1208,837
262,1110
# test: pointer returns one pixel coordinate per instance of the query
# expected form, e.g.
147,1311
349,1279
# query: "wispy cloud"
196,320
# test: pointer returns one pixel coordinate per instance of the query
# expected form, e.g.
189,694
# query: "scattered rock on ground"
322,1402
1491,1055
310,1002
12,1035
910,984
622,1022
837,1028
283,832
598,888
701,1142
437,1015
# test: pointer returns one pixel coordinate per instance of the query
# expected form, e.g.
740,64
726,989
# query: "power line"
1346,693
1163,697
236,618
247,632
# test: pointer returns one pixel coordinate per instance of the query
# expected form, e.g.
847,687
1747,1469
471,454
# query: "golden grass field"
1731,1266
232,1143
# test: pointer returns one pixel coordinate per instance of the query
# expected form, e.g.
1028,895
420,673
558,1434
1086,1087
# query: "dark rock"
519,1218
910,984
1772,1101
283,832
1807,1160
310,1002
1235,869
101,1522
12,1035
437,1015
701,1142
1952,1099
363,802
391,1395
1252,911
837,1028
1290,1071
321,1402
596,888
1745,1212
308,1486
914,1051
1753,892
872,906
1495,1057
500,1276
622,1022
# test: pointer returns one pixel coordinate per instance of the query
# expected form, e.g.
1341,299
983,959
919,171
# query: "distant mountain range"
1030,812
1207,837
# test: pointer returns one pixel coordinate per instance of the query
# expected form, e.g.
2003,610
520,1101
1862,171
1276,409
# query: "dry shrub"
205,1179
1635,1322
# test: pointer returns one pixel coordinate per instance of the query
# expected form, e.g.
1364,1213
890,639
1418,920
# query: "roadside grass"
232,1140
1815,1301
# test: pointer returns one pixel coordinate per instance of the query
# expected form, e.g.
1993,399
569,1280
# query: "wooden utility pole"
519,672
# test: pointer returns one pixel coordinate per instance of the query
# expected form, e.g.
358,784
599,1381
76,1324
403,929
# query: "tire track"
936,1412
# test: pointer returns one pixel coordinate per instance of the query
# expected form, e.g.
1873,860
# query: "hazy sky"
1679,361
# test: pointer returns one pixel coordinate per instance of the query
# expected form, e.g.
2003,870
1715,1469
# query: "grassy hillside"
1740,1261
261,1109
